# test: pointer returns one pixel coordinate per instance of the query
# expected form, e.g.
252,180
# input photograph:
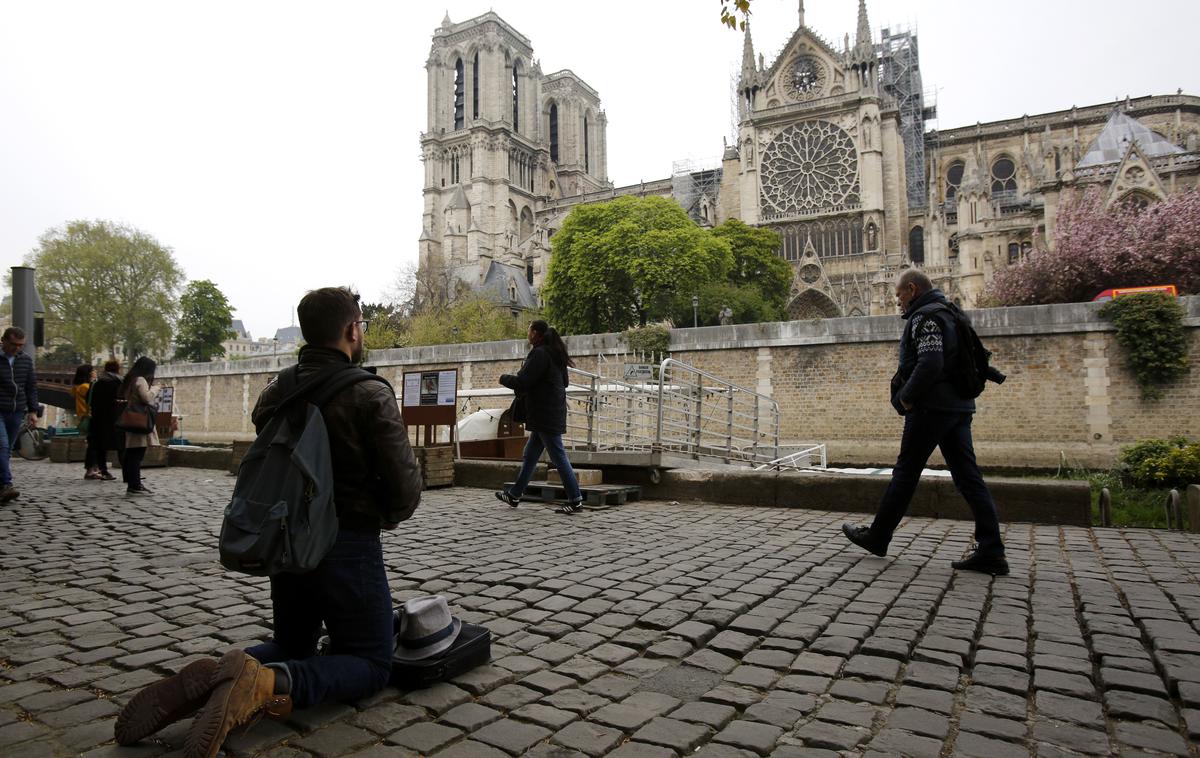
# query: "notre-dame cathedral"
832,153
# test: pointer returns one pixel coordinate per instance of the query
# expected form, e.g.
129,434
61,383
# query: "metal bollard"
1173,510
1193,498
1105,507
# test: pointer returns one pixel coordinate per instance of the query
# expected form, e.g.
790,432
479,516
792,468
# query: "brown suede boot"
165,702
243,690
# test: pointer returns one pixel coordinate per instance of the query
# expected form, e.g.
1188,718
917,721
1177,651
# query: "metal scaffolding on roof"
695,185
901,74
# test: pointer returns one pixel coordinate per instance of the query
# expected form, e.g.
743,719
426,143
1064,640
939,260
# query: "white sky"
273,144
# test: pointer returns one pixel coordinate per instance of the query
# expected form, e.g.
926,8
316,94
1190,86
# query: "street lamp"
695,311
275,350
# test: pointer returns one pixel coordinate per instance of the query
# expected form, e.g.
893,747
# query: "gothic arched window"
1004,176
554,132
516,94
1014,252
916,244
1136,200
475,88
954,176
587,148
458,94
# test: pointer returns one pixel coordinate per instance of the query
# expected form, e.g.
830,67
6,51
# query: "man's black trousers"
923,431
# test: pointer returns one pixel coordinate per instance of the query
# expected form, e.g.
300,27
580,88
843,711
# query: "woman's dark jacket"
104,409
542,385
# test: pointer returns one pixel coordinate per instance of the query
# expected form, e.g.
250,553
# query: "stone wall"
1068,392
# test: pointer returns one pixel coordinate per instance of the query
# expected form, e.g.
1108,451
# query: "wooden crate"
68,449
437,465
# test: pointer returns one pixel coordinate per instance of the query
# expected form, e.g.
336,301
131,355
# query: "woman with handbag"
542,385
137,421
81,388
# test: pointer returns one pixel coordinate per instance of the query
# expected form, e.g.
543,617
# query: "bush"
1172,463
651,340
1150,329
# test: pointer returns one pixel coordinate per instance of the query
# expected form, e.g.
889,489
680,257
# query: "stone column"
1096,381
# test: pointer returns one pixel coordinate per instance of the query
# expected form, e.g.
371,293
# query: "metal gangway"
678,416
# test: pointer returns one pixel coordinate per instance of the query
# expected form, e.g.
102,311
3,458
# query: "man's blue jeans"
10,424
552,444
923,431
349,592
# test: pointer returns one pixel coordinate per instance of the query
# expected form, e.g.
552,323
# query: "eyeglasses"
363,324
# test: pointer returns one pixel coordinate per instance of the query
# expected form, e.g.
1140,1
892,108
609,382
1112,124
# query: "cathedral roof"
495,284
458,199
1118,134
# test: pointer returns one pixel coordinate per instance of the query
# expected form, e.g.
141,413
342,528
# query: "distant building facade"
832,153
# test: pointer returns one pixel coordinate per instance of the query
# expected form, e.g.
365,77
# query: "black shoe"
7,493
984,564
571,508
504,497
137,491
861,536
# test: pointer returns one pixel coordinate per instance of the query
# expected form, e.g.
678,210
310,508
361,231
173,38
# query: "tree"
622,262
756,264
473,318
386,328
104,285
204,322
746,301
1096,248
731,9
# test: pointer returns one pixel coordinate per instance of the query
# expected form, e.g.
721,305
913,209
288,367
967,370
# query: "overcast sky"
274,146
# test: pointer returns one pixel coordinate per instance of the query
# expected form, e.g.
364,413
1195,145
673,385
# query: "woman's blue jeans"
553,445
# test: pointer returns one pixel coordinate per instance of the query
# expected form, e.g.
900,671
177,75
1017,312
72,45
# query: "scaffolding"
695,185
901,73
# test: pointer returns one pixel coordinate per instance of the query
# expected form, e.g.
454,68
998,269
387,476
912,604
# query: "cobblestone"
647,630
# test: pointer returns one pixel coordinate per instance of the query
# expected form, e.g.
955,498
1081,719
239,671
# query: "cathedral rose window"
809,167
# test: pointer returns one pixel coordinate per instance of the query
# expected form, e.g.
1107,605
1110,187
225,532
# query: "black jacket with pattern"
928,350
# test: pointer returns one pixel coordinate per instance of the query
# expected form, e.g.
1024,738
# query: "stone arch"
812,303
526,223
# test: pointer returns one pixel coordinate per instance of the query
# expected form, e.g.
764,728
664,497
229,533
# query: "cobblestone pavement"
651,630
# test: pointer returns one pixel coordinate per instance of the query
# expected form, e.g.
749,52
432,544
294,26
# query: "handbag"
136,418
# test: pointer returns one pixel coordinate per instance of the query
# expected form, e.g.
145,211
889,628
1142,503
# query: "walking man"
935,415
377,484
18,401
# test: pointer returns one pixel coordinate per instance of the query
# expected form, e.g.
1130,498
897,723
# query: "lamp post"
695,311
275,350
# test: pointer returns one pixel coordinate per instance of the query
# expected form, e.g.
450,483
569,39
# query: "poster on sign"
166,400
430,388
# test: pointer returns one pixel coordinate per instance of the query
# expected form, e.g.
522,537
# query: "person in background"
18,402
541,387
81,387
136,388
102,430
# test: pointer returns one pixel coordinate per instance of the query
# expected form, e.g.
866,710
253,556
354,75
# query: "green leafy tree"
473,318
204,322
104,285
731,10
756,261
387,326
621,263
746,301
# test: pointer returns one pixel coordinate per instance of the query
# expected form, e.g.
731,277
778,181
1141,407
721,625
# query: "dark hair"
14,332
112,365
553,343
143,367
82,374
324,313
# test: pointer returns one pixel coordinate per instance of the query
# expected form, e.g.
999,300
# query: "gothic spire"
801,13
863,35
749,73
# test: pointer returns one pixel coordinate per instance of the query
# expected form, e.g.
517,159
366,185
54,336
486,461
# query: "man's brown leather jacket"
376,478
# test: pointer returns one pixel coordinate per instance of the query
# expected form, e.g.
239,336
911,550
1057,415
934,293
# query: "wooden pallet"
596,497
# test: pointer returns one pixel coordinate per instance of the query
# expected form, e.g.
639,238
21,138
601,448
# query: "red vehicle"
1110,294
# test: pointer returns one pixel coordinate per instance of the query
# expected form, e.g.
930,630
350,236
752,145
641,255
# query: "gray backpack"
282,517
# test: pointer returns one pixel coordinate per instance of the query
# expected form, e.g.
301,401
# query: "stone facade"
832,153
1068,390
